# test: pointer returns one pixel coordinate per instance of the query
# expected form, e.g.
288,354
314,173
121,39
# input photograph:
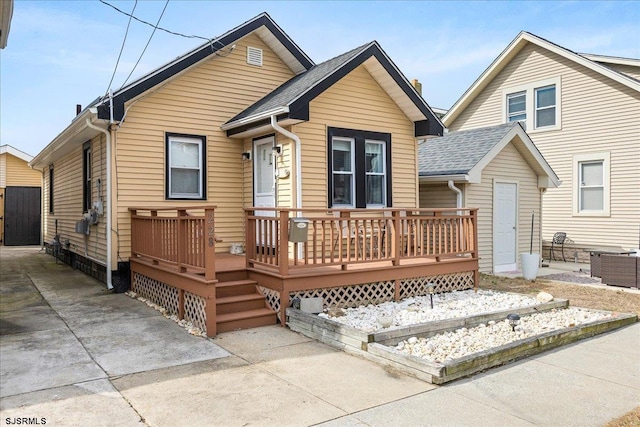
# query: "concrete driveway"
72,353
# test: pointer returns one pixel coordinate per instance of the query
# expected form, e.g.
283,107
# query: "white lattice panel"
272,297
351,296
194,310
444,283
157,292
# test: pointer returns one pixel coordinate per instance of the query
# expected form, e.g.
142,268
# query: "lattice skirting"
443,282
375,293
157,292
194,310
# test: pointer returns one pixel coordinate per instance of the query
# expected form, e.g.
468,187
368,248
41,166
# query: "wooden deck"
351,254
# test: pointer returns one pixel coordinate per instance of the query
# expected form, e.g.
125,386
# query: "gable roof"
263,25
512,50
15,152
291,100
461,156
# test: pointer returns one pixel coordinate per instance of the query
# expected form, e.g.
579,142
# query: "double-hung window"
537,105
359,168
185,166
591,184
516,106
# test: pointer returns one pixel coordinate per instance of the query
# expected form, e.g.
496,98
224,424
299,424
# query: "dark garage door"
22,216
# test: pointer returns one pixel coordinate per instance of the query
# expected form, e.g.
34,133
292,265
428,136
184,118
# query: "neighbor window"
516,106
546,106
185,166
86,176
591,174
359,172
536,105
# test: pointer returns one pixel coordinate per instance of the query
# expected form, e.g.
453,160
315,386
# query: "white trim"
15,152
510,52
612,59
199,142
530,109
605,158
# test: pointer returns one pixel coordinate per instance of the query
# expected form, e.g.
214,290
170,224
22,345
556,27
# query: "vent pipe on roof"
78,109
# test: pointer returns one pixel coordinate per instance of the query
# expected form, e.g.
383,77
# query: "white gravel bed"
411,311
463,342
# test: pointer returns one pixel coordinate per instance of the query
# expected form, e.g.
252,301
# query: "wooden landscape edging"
453,369
378,346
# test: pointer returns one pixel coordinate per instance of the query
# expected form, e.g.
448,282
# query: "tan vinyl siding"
3,170
629,70
19,174
67,194
598,114
197,102
437,196
508,166
357,102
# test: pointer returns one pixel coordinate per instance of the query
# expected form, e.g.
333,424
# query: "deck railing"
356,236
176,237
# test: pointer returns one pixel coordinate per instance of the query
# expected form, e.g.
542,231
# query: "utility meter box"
298,229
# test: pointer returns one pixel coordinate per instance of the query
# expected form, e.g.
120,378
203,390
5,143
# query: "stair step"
238,303
235,287
245,319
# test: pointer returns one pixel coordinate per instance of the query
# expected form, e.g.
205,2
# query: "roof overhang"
510,52
444,178
69,139
528,150
6,13
7,149
262,25
383,71
612,59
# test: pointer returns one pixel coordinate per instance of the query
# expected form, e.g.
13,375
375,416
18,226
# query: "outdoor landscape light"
514,320
431,288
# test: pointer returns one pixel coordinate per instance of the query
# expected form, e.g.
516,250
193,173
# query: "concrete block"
311,305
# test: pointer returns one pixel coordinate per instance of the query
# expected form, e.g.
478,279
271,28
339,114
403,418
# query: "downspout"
296,139
458,192
108,213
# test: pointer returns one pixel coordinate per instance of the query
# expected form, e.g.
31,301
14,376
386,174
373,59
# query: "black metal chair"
558,239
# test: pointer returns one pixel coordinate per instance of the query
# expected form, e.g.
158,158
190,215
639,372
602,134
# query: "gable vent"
254,56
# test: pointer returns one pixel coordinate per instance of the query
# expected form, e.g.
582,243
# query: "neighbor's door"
264,191
504,226
22,216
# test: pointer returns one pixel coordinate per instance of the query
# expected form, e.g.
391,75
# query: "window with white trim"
537,105
185,166
591,184
359,168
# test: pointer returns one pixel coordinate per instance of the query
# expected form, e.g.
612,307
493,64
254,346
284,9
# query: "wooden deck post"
283,244
209,245
250,238
180,304
397,236
181,242
284,303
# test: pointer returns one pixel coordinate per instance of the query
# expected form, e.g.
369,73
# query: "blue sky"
63,53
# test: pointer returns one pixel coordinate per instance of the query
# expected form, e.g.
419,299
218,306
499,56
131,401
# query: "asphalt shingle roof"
298,85
458,152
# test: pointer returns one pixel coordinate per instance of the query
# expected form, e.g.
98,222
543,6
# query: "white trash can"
530,263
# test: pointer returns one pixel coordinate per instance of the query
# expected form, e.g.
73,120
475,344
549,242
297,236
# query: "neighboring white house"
583,113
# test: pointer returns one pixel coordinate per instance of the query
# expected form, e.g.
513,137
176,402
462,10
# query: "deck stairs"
239,304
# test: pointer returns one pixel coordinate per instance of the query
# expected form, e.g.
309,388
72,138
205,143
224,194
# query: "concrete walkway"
74,354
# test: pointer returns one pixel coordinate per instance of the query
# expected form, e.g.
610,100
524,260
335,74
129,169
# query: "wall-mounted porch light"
246,155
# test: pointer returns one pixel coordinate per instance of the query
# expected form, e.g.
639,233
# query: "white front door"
264,191
505,205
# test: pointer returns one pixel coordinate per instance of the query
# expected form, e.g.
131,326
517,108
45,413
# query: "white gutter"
108,136
254,118
296,139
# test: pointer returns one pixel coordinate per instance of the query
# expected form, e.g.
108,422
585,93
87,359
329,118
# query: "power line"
130,15
155,27
122,47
